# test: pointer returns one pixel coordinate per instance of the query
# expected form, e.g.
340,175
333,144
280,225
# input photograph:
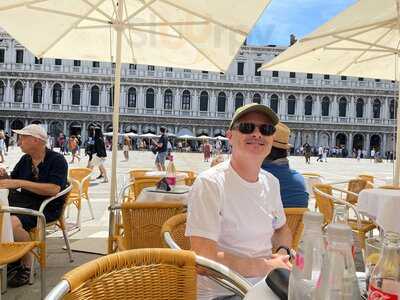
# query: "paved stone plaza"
336,169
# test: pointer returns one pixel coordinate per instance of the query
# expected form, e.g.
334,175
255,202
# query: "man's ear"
229,136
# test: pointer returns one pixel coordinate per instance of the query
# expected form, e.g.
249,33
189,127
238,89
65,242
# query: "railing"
196,76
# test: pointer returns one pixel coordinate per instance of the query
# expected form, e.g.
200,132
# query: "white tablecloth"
148,195
7,234
260,291
383,206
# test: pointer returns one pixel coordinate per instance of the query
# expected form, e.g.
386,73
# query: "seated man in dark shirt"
41,173
292,184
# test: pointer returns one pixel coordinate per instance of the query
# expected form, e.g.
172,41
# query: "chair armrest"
225,276
170,241
48,200
30,212
123,190
59,291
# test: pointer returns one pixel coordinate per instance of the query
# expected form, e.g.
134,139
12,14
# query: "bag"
154,149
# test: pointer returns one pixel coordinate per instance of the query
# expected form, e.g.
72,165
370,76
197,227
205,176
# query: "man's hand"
10,184
278,261
3,172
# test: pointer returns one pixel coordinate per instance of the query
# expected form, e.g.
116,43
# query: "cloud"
300,17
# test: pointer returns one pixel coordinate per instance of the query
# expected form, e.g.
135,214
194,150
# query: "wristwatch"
288,251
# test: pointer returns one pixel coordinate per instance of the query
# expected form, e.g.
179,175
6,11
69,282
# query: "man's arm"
246,266
282,237
43,189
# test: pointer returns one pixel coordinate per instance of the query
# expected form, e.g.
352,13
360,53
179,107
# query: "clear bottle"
307,265
385,278
340,214
338,279
171,172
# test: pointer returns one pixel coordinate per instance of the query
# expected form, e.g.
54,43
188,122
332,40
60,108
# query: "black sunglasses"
248,128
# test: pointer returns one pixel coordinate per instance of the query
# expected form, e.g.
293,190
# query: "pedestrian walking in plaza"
61,143
99,155
161,149
307,152
7,140
206,150
2,146
73,147
127,146
372,157
325,155
358,154
320,153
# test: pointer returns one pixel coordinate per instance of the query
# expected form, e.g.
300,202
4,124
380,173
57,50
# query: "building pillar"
8,92
159,104
7,125
283,105
177,105
84,132
266,100
368,112
367,143
65,127
103,97
298,139
27,95
66,99
384,145
352,107
213,103
333,139
300,105
317,106
350,143
140,129
316,142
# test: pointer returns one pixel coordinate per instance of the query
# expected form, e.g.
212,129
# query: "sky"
300,17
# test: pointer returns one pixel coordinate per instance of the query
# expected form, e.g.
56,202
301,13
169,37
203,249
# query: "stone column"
298,139
177,94
8,92
300,105
384,145
367,143
85,96
159,105
103,97
7,125
231,103
317,106
350,143
46,95
65,127
266,100
283,105
66,95
333,139
195,107
335,106
368,112
213,103
27,95
352,107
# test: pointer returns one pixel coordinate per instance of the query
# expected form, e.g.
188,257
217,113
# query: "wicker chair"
60,223
390,187
140,184
191,177
13,251
326,203
355,186
142,222
141,274
367,177
80,179
294,219
173,232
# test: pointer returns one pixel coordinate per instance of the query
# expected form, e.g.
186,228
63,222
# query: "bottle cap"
339,232
313,218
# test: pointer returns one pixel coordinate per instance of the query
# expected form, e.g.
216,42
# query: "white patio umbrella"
190,34
203,137
148,135
362,41
186,137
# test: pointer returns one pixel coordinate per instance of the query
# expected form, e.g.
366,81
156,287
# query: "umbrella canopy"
221,138
203,137
131,134
190,34
148,135
364,46
187,137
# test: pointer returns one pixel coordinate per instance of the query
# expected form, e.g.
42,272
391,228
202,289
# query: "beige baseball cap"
254,107
33,130
281,137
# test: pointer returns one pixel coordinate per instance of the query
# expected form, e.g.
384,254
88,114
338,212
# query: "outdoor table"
180,176
7,234
152,194
383,206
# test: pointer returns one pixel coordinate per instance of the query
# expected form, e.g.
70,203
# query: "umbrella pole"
115,122
397,149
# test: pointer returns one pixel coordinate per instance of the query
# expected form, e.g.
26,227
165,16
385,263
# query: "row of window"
186,103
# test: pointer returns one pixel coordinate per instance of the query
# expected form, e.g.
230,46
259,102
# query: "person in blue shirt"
292,183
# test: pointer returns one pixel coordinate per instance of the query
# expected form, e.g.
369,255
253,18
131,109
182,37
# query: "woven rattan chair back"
142,222
142,274
367,177
390,187
355,186
140,184
324,204
176,227
294,219
79,174
137,173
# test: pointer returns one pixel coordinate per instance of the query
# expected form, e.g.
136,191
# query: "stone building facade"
70,96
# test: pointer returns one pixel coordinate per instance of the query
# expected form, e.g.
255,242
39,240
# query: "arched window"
291,105
308,103
391,109
342,107
186,100
239,100
221,105
1,91
37,93
132,97
204,101
111,96
274,103
168,99
325,107
376,109
57,93
95,96
257,98
76,95
150,98
360,108
18,92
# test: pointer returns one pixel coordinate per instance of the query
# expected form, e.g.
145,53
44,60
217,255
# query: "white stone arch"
324,139
149,128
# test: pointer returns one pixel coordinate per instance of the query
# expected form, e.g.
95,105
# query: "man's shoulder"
218,171
268,176
55,156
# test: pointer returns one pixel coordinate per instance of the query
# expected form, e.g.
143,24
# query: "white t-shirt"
240,216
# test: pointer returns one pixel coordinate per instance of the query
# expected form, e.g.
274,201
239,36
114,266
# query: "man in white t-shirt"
235,212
